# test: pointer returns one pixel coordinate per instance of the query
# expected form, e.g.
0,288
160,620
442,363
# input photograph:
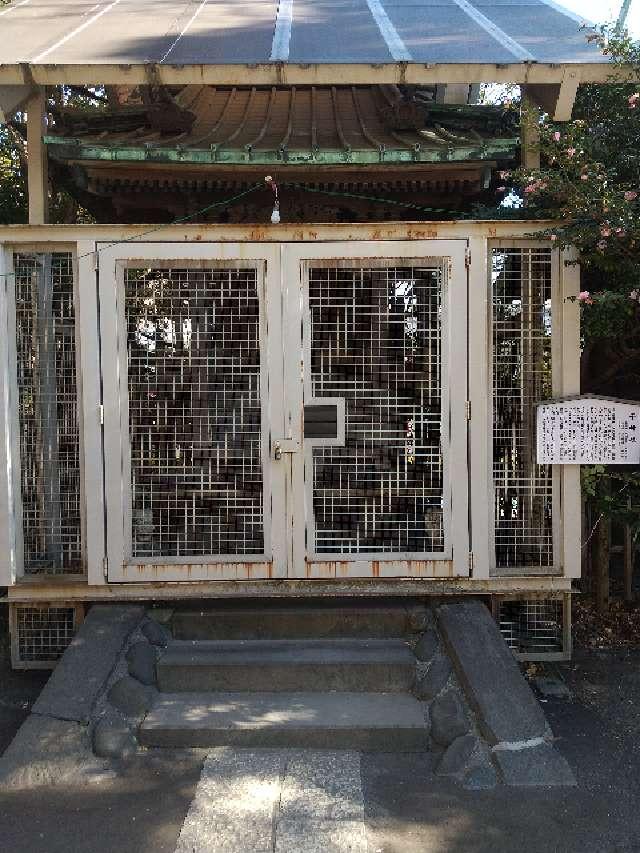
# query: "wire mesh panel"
40,633
376,341
48,413
533,626
522,321
193,348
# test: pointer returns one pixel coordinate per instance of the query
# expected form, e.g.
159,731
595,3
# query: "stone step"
361,721
287,665
320,619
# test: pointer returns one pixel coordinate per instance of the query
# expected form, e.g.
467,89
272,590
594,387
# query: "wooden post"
629,559
38,179
601,556
529,132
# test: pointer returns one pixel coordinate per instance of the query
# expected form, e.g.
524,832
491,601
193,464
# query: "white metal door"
192,387
376,409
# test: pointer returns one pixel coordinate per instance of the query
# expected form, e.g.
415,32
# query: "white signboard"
588,431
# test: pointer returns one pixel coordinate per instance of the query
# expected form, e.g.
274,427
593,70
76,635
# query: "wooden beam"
287,74
11,99
556,99
38,180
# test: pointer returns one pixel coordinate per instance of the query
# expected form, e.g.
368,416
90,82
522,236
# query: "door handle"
285,445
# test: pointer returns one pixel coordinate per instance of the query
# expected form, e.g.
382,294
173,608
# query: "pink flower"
531,188
635,295
585,297
584,177
554,236
602,245
556,136
630,195
633,100
605,231
571,152
620,232
504,175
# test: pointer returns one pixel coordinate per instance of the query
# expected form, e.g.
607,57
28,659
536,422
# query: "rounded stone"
481,778
131,697
448,719
427,645
141,659
157,634
435,678
112,737
419,618
460,756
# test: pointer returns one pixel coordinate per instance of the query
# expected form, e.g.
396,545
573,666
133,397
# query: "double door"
284,410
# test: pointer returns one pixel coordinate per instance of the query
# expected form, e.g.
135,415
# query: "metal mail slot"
320,421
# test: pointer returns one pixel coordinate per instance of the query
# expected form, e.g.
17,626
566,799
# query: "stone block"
83,670
506,708
540,765
48,752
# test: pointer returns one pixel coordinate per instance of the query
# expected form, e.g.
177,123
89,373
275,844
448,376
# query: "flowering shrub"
589,184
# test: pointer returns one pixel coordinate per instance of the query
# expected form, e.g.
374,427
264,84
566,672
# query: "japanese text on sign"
588,431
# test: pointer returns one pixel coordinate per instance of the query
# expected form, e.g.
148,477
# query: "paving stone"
330,836
157,634
506,709
113,738
534,766
141,659
427,645
448,718
434,679
83,670
482,777
131,697
461,756
322,785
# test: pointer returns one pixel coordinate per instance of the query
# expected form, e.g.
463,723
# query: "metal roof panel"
223,32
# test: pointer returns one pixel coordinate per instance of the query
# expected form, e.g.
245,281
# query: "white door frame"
122,566
301,562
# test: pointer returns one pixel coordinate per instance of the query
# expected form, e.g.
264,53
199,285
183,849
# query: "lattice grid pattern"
532,626
521,378
193,339
376,341
42,633
48,413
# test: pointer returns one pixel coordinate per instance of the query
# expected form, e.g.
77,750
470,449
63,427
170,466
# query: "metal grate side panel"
48,413
375,340
521,340
194,403
534,628
40,633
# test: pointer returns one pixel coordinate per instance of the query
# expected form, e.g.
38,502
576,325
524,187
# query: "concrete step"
287,665
275,620
361,721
